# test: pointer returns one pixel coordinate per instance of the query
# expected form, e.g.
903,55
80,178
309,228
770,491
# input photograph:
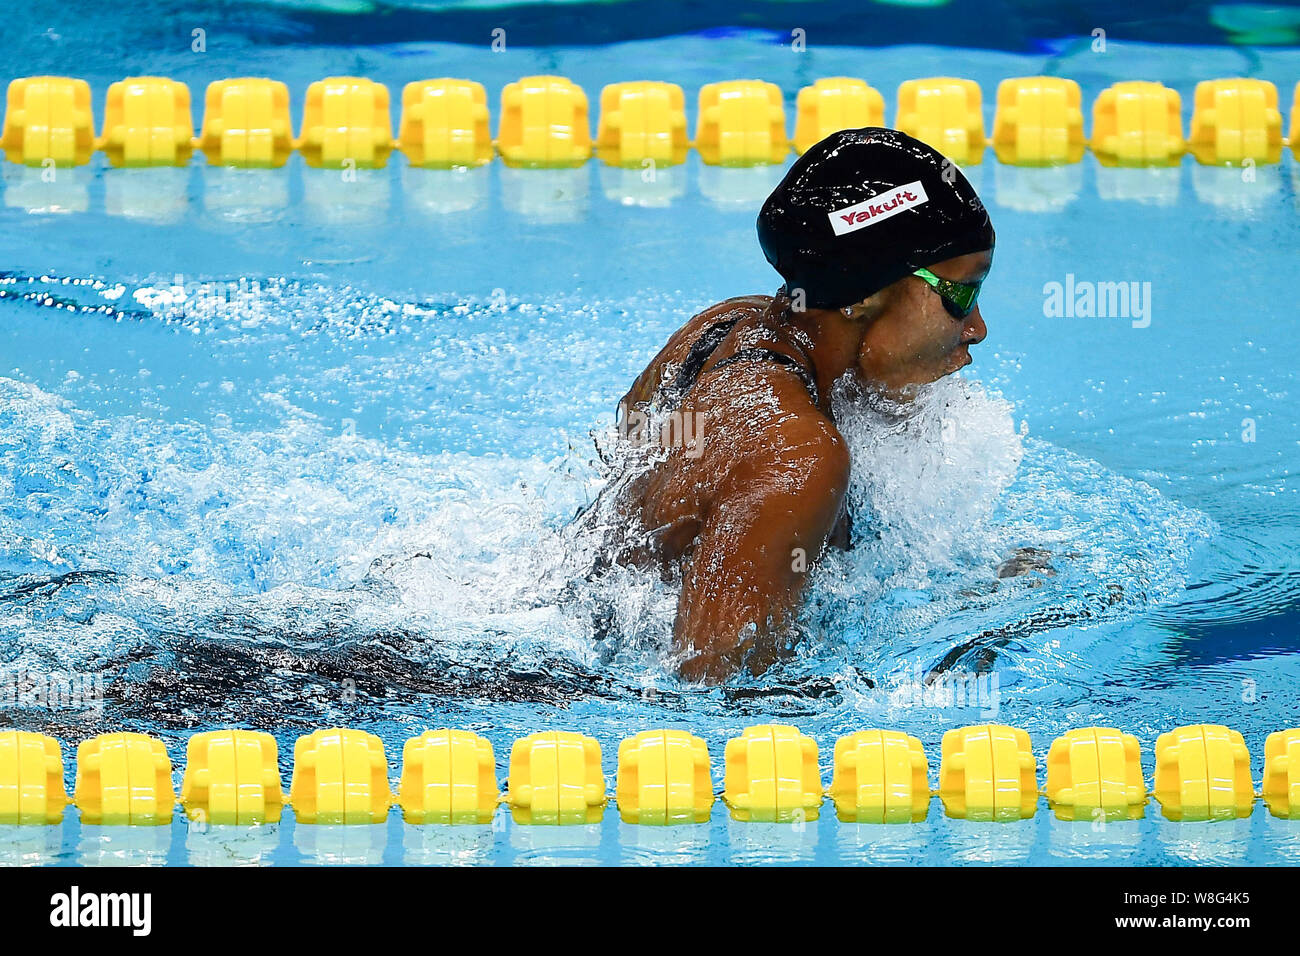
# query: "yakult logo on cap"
878,207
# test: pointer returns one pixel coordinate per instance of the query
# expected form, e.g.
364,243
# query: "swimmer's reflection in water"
883,246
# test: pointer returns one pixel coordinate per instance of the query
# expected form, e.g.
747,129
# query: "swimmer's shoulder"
762,429
739,308
679,344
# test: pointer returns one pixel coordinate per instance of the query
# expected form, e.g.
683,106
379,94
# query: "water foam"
300,538
974,541
927,475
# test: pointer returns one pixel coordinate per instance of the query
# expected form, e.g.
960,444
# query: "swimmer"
883,246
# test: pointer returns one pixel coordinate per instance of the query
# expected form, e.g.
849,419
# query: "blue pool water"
283,451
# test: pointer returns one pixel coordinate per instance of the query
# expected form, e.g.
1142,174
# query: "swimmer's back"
648,384
736,507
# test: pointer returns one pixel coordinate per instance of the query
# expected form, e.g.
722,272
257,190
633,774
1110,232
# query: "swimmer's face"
912,339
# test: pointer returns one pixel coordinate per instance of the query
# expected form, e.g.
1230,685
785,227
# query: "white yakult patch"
878,207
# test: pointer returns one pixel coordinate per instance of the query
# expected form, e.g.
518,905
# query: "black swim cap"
862,209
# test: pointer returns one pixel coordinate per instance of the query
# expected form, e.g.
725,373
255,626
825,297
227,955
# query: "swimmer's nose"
974,331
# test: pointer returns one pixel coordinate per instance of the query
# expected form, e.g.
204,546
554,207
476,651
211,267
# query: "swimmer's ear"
868,308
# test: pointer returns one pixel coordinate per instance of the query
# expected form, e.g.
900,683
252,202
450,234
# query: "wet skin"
746,513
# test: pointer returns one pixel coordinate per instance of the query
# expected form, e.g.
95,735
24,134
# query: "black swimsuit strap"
707,343
699,354
759,354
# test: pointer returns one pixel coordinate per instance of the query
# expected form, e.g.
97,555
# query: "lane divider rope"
987,772
543,122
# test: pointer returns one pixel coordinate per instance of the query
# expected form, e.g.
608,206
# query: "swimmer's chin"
959,362
956,362
908,390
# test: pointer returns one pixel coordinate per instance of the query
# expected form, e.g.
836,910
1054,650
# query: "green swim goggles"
959,298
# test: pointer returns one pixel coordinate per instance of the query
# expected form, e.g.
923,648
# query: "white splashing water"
926,475
300,522
944,489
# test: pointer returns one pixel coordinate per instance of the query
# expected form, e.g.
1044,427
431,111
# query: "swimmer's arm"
745,577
